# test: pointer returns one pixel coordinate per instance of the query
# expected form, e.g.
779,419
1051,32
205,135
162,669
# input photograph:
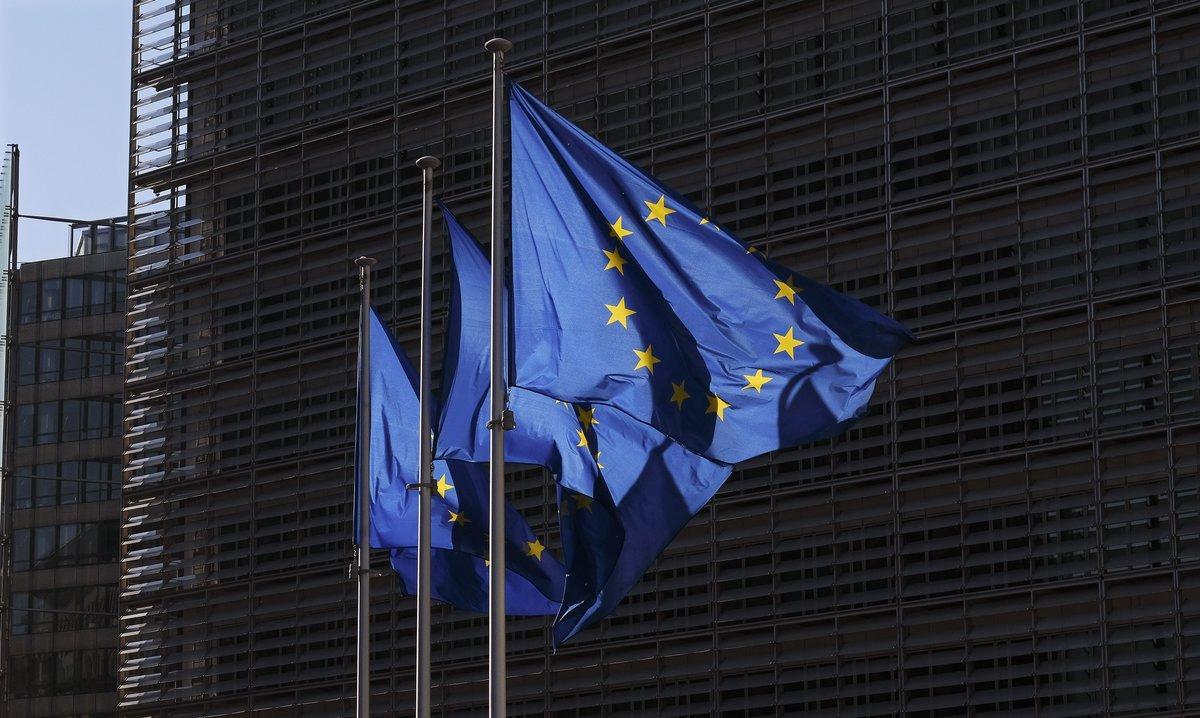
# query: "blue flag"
534,581
625,489
625,295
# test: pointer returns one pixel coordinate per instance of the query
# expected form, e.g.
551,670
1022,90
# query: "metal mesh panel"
1011,529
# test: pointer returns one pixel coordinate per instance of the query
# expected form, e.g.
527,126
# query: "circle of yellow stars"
620,313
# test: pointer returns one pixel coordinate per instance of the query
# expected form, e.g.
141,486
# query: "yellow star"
534,548
787,343
581,501
443,486
615,261
717,405
679,394
755,381
459,518
703,221
753,250
619,313
658,210
587,417
646,358
618,231
598,464
583,441
786,290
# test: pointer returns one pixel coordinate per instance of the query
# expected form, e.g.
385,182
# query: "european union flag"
535,581
625,295
625,490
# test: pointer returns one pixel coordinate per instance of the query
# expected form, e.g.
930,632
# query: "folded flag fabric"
625,489
625,295
535,579
458,569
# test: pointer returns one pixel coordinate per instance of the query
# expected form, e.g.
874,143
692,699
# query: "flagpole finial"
429,163
365,262
497,44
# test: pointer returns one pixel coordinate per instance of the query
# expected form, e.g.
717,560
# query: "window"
70,608
72,358
53,299
26,417
75,296
73,544
29,302
65,483
70,420
65,673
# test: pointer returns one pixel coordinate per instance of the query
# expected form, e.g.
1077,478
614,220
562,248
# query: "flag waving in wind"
458,569
626,296
626,489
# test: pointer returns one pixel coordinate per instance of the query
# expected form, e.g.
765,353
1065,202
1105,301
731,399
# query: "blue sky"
64,98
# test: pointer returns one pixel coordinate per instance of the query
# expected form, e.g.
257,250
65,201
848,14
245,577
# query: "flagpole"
362,551
497,674
425,474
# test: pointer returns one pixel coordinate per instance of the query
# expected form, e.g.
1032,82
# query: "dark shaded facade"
1013,529
62,478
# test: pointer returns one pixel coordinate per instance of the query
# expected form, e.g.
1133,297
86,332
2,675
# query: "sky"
64,99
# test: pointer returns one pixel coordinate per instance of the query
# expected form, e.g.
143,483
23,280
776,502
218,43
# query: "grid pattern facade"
1013,529
62,484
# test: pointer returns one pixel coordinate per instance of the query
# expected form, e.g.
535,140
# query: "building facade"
61,498
1013,528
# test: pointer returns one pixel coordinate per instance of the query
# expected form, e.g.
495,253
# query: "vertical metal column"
362,552
425,473
7,435
497,674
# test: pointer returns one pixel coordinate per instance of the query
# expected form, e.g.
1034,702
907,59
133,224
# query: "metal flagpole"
501,419
362,552
425,475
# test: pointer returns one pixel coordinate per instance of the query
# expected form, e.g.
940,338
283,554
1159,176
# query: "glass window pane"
49,362
27,365
44,544
41,614
72,420
96,415
20,613
29,302
75,291
99,294
47,422
98,670
23,491
71,548
51,300
36,675
96,486
73,358
70,489
21,546
66,678
26,415
46,492
68,606
109,541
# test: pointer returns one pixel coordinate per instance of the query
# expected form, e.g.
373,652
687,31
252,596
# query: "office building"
1011,530
61,499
